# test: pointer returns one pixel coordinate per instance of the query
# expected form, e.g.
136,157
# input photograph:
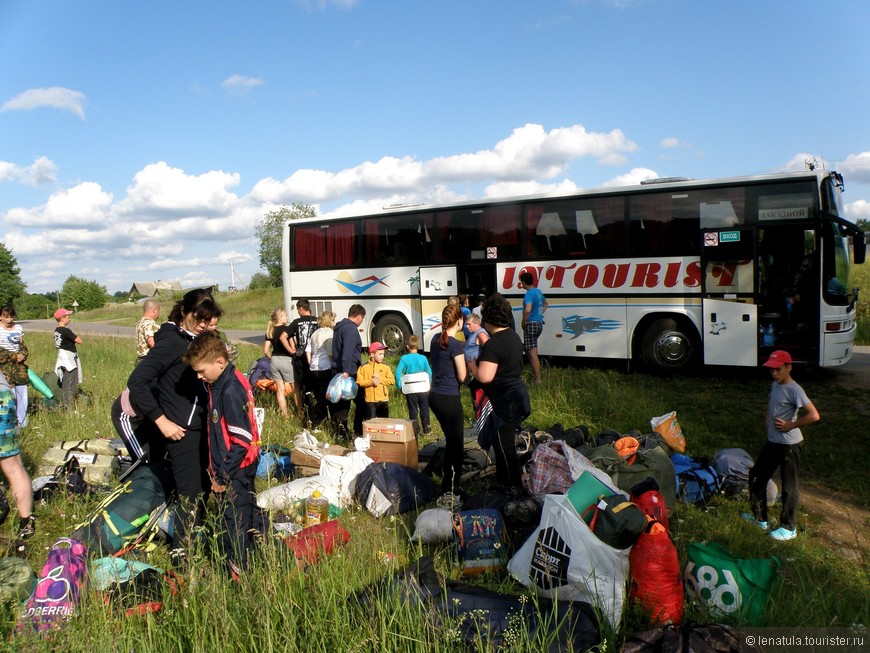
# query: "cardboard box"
387,429
301,459
404,453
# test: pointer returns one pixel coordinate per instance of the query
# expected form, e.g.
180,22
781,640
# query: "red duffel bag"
656,581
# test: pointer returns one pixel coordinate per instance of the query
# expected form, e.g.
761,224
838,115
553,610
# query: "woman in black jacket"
174,402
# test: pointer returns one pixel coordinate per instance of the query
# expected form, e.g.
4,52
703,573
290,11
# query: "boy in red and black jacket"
233,443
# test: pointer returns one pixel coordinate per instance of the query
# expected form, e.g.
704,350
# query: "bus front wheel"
668,346
394,332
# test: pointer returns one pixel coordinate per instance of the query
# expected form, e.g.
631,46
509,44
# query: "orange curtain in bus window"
316,246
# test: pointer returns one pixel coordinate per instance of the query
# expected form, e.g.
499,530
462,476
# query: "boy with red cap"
782,449
376,378
67,366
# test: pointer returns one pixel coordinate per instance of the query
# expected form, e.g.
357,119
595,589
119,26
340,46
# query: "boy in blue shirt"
782,449
418,402
233,443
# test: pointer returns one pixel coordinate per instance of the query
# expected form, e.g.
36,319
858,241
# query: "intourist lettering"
679,274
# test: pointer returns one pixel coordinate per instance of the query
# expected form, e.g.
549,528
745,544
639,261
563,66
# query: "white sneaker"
763,525
784,534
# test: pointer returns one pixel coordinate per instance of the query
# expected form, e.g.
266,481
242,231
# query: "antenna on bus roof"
664,180
400,205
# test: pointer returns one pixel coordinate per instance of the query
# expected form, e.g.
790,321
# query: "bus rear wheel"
669,346
394,332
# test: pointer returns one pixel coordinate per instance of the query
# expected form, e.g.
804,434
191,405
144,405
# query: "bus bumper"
837,347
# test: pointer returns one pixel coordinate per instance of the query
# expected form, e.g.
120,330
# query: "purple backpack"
59,587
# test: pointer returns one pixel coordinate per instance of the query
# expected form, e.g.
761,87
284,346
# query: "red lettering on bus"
724,272
586,276
508,279
693,275
646,274
556,274
672,274
615,275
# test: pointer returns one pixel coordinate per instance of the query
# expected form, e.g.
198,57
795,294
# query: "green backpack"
729,585
647,463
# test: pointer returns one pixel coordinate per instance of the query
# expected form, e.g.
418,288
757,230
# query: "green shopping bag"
729,585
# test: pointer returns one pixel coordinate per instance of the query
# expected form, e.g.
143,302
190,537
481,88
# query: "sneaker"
784,534
763,525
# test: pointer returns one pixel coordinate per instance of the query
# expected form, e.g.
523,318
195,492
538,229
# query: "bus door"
728,287
436,285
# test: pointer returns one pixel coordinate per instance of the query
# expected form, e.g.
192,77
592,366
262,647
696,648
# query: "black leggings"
449,413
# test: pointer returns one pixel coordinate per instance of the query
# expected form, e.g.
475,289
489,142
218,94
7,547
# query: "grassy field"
280,608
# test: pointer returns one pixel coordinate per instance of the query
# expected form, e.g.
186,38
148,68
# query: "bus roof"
652,185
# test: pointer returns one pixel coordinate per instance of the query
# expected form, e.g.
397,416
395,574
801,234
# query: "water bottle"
316,509
769,339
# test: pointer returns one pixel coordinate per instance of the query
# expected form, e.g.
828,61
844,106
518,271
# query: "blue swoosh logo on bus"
577,325
358,287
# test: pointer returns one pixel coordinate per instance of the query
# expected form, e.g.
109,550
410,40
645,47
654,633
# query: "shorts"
10,444
531,333
282,369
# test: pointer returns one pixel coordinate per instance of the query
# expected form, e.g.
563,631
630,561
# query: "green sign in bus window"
729,236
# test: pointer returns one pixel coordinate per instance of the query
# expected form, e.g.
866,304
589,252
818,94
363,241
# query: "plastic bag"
341,387
669,428
564,559
728,584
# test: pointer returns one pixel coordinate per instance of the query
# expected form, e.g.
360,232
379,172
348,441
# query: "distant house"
162,289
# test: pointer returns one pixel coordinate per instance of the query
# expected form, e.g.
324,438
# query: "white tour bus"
672,272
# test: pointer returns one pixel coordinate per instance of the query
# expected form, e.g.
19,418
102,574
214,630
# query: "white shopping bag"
564,560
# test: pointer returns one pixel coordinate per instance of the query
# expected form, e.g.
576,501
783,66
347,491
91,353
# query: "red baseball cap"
59,313
778,359
376,346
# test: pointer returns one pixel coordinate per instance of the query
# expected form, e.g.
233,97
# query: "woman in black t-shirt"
500,368
279,350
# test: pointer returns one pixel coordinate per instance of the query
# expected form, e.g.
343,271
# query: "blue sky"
143,141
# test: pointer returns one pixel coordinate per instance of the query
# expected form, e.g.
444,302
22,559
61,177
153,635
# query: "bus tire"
393,331
669,346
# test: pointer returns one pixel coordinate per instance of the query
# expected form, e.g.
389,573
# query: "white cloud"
321,5
670,142
856,168
631,178
857,210
239,84
40,173
54,97
81,207
159,189
529,152
513,188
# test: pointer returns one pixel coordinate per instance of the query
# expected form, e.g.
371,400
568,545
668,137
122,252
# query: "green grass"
280,608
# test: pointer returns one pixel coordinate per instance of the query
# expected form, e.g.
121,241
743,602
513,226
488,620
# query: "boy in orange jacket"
376,377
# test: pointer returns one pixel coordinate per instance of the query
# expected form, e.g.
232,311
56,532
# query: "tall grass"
279,607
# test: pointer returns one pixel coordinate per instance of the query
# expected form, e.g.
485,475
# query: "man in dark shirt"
300,331
346,358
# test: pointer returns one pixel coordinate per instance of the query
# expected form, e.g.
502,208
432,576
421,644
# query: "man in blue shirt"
534,307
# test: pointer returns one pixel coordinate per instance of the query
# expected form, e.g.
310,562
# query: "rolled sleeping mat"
39,384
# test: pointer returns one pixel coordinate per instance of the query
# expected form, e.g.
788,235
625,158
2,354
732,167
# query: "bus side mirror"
859,249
